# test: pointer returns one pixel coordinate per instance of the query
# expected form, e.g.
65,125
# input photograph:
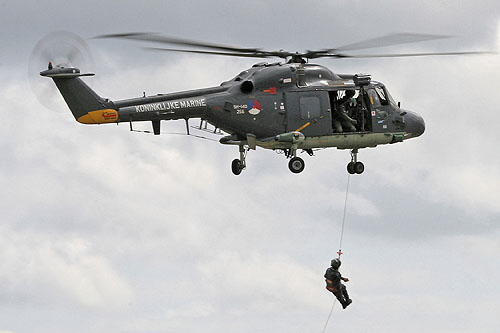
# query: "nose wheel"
355,167
236,167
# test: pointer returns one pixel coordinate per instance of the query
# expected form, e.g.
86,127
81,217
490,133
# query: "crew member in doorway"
341,118
333,284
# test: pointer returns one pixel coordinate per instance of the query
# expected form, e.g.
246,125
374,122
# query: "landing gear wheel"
350,168
354,166
236,167
358,167
296,165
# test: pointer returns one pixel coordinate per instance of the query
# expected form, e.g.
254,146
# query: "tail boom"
89,108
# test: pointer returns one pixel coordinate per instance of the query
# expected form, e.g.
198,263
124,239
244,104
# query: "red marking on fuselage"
271,90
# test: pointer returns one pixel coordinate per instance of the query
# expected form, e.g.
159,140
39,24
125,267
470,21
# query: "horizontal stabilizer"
64,73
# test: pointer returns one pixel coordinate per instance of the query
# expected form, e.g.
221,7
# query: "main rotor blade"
404,54
151,37
233,54
388,40
226,50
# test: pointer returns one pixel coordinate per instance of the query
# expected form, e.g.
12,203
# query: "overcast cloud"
104,230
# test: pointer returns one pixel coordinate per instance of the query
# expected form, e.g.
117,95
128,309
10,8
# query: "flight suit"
333,284
342,122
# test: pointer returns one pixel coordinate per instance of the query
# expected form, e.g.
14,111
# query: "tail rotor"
57,49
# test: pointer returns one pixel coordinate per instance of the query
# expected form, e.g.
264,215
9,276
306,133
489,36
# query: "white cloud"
51,269
191,311
272,280
454,162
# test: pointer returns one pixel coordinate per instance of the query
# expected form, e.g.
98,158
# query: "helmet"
350,93
336,263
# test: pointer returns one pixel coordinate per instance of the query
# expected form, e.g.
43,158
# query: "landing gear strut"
354,166
239,164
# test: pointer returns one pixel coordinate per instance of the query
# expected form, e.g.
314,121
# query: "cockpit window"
391,100
373,96
382,96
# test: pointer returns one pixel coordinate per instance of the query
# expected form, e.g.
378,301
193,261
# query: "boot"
346,303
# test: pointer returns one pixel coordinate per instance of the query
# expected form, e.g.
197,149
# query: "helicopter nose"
415,124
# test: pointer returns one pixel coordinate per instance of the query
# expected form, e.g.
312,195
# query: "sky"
107,230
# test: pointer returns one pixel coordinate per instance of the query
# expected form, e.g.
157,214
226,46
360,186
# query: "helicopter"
283,106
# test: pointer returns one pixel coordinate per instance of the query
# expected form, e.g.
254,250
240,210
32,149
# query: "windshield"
391,100
379,96
382,96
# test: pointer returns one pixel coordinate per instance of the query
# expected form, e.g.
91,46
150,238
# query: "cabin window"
310,107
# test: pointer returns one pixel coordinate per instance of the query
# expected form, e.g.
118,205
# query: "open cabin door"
308,112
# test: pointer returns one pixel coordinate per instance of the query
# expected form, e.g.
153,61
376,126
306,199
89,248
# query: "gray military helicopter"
283,106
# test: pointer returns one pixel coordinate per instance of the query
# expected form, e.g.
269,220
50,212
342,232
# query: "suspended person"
333,284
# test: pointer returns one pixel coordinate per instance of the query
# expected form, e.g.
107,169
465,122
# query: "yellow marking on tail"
99,117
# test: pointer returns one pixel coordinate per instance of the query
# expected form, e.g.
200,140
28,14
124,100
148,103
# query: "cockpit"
380,96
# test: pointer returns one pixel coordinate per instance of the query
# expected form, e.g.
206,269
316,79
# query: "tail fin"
87,107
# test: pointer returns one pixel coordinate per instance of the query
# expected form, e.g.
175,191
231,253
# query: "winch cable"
326,324
341,239
343,217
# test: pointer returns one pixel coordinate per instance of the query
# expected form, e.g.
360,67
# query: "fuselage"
264,102
267,100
